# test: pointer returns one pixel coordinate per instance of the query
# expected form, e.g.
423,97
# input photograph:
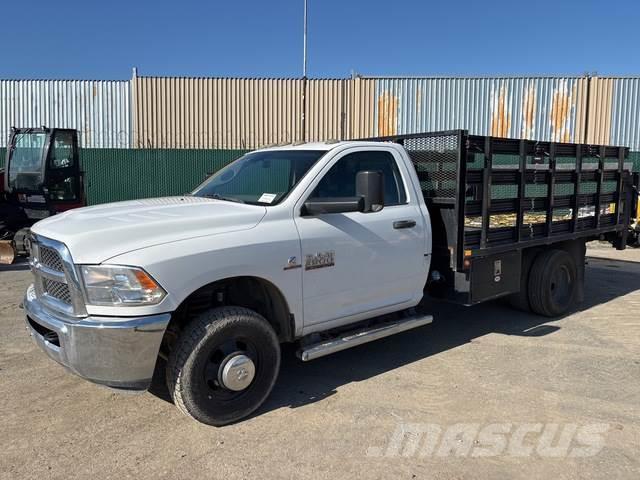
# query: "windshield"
260,178
25,167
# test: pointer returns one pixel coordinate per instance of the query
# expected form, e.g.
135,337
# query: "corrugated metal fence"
563,109
532,108
99,110
178,112
250,113
215,112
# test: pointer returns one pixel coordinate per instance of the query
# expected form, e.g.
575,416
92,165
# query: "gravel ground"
474,370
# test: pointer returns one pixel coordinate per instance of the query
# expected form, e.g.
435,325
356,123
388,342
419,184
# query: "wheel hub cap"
237,372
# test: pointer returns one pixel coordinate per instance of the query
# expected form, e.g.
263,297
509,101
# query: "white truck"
329,245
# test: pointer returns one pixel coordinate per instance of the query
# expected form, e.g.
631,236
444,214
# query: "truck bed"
491,196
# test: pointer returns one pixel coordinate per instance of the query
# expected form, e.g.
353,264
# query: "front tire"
224,365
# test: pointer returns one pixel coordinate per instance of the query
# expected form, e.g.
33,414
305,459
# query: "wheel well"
253,293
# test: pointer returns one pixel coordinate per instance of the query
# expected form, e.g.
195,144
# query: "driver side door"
357,265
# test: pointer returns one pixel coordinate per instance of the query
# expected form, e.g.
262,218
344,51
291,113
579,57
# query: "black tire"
553,282
520,300
192,363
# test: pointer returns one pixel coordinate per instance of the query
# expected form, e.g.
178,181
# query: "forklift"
42,177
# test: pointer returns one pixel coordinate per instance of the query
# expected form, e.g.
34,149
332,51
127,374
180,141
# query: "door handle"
404,224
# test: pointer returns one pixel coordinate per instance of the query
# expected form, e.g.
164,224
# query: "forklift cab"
42,173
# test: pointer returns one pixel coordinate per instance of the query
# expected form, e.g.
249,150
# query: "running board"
363,335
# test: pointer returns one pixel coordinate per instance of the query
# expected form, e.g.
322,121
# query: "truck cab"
307,239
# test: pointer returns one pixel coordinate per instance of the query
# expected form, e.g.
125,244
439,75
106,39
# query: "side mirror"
370,187
316,206
369,197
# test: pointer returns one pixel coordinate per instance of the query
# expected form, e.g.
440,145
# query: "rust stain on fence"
560,115
529,113
387,114
500,116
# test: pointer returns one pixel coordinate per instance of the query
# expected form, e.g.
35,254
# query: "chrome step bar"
363,335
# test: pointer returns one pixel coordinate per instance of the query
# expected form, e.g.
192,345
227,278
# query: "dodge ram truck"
328,245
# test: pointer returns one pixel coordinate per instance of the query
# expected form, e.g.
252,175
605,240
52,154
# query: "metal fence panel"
362,108
99,110
215,112
625,113
174,112
599,117
532,108
327,104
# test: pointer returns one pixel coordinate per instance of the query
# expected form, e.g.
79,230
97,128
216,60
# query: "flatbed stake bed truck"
329,245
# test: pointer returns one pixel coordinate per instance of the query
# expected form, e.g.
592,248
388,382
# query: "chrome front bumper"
116,352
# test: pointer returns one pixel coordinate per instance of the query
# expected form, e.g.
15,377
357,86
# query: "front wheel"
224,365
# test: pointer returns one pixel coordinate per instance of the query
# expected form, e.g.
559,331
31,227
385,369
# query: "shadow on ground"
302,383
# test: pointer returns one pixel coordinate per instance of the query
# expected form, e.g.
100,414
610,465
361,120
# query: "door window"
62,184
62,150
340,180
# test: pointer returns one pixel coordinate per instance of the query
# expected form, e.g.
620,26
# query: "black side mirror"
369,197
317,206
370,186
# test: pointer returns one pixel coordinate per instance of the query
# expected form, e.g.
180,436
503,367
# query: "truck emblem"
319,260
292,262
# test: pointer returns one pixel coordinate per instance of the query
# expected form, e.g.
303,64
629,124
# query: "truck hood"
95,234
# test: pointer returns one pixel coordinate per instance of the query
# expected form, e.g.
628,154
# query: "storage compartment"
495,276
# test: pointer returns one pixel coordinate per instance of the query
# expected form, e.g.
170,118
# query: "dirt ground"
340,416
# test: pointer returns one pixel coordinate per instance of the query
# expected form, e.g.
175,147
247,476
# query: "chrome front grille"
56,279
57,290
50,258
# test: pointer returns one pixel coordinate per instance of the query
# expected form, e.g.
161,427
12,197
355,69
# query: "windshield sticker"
267,198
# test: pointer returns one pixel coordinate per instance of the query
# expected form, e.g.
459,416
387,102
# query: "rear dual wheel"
224,365
552,283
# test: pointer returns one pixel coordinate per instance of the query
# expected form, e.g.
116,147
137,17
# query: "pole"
304,45
304,75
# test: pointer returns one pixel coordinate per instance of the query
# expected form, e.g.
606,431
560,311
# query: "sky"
105,39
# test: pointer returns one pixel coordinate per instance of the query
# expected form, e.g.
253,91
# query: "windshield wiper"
217,196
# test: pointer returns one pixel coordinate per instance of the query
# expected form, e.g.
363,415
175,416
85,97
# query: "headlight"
120,286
